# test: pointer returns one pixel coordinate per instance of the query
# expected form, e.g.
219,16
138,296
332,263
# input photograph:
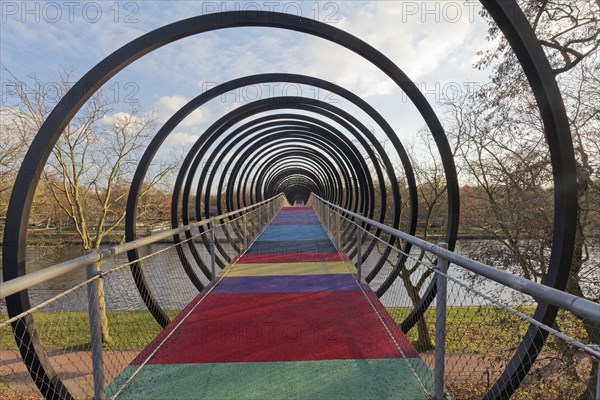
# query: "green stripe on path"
330,379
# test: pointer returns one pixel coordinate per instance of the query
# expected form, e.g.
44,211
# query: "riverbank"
52,238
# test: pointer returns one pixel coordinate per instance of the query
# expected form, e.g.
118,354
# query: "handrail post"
95,331
359,252
338,238
328,210
245,218
440,326
212,250
273,209
597,362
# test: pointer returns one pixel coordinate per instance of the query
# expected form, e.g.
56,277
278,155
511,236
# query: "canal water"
174,290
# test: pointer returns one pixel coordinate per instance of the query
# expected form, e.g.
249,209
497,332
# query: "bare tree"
567,29
509,167
13,144
432,196
89,169
432,192
505,146
505,156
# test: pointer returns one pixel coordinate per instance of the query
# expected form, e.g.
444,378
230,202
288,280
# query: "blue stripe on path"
287,284
285,233
300,246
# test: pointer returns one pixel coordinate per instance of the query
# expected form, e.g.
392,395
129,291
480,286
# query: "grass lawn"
129,330
486,329
473,329
469,329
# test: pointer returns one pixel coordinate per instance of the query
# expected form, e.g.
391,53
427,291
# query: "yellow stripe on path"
335,267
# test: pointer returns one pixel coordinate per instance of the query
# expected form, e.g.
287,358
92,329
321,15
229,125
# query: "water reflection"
173,289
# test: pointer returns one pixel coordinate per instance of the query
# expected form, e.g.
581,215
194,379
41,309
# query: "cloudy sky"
435,43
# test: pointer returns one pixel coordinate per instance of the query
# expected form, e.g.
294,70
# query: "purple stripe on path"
295,246
301,222
287,284
294,217
295,221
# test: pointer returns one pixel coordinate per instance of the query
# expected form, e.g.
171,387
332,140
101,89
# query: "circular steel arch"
350,175
369,196
331,136
509,17
335,135
177,117
130,231
284,176
251,141
251,160
298,171
320,170
299,182
300,158
209,138
245,178
505,13
393,183
270,104
277,134
204,143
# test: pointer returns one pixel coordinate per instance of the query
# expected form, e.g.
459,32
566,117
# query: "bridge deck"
287,320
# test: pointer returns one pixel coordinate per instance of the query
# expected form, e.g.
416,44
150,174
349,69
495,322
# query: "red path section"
274,307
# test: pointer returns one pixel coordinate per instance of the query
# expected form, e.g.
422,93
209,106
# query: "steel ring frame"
270,104
520,36
275,131
244,179
201,154
278,133
350,174
153,147
335,135
281,77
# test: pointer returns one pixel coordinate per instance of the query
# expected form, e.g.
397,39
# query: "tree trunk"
593,332
424,339
102,307
574,284
102,303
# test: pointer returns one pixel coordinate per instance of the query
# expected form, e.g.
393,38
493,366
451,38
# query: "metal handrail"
26,281
579,306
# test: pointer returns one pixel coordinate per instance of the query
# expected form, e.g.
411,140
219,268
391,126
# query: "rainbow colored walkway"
287,320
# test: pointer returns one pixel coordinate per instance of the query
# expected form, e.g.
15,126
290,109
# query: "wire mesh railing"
75,344
470,334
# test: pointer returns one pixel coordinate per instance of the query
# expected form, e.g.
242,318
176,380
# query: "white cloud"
124,120
169,105
423,45
181,138
429,52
